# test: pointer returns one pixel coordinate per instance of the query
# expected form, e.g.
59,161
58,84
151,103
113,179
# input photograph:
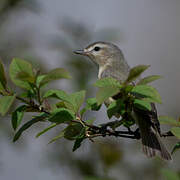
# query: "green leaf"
5,103
1,87
169,174
92,104
116,107
148,79
24,76
147,93
20,66
168,120
176,147
3,80
176,131
73,131
108,81
60,135
29,124
61,115
104,93
46,129
60,94
107,88
72,101
76,100
142,104
55,74
135,72
17,116
77,143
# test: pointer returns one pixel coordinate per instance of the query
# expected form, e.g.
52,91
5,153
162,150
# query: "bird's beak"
81,52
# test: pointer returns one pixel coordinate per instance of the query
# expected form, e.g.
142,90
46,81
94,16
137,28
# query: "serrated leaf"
135,72
73,131
106,92
61,115
46,129
60,135
176,147
17,116
108,81
29,124
55,74
116,107
3,80
142,104
176,131
147,93
148,79
20,66
5,103
168,120
169,174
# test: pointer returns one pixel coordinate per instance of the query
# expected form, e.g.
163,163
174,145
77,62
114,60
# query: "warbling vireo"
111,63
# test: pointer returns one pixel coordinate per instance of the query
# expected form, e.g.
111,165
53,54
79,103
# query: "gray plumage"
111,63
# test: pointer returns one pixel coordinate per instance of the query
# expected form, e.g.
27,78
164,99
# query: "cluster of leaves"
68,110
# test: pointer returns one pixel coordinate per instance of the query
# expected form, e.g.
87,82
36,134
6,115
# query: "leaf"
116,107
76,99
60,135
3,80
176,147
20,66
46,129
176,131
61,115
73,131
5,103
1,87
24,76
135,72
169,174
148,79
107,88
17,116
55,74
72,101
60,94
142,104
29,124
92,104
168,120
106,92
77,143
108,81
147,93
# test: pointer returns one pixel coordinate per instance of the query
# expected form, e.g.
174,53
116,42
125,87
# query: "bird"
111,63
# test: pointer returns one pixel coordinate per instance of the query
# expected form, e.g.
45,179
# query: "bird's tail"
152,144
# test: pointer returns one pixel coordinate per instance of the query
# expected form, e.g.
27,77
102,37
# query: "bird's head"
101,52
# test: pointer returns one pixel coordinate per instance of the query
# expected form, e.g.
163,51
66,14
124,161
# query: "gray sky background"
150,35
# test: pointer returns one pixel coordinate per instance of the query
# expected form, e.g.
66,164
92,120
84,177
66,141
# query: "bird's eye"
97,48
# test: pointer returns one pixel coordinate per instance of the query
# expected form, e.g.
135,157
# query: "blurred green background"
46,33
